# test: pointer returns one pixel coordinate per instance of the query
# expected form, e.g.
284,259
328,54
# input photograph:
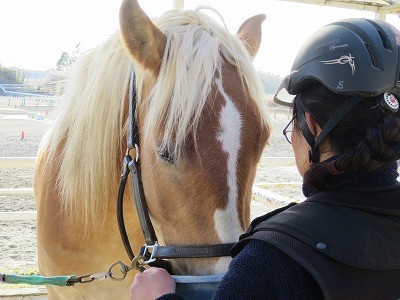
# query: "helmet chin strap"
334,120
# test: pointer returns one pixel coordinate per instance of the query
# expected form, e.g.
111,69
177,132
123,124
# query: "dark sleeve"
171,296
262,271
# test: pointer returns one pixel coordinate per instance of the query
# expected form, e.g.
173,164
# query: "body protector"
347,240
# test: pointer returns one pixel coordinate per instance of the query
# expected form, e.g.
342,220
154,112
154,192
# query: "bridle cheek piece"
151,253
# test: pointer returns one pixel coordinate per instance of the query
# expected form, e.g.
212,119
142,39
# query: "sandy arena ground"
18,245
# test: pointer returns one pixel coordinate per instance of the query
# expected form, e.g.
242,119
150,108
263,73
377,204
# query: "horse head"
202,126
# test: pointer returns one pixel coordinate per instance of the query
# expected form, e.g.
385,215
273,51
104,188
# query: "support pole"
178,4
380,16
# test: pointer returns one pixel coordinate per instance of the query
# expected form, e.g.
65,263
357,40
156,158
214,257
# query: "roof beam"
390,9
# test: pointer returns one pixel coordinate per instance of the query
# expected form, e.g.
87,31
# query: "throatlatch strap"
141,205
120,208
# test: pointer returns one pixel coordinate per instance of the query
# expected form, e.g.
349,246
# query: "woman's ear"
312,125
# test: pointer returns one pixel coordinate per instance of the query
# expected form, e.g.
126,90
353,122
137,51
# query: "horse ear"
250,33
145,42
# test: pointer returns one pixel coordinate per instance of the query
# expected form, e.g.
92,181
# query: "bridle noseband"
152,253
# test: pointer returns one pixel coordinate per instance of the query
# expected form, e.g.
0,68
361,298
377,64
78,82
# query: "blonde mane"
91,126
197,47
89,131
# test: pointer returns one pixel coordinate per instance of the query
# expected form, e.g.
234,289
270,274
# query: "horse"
203,125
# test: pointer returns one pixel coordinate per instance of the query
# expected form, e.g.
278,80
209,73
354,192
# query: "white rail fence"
260,194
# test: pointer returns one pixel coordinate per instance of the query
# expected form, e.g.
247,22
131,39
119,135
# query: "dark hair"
365,139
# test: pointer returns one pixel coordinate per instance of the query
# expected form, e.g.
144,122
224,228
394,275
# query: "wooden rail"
28,162
17,162
260,194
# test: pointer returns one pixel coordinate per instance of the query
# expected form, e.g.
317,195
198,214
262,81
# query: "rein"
151,253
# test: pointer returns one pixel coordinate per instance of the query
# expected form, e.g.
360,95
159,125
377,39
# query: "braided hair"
365,139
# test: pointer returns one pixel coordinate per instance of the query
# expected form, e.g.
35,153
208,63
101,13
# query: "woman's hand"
151,284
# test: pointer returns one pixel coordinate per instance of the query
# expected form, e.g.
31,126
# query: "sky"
34,33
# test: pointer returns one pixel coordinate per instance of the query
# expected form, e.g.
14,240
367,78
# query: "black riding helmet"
358,58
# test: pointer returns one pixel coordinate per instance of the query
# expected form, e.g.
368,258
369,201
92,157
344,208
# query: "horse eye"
166,155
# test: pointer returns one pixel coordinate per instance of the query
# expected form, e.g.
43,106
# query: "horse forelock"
86,137
196,51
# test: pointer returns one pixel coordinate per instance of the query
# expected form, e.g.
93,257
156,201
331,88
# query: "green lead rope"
117,271
39,280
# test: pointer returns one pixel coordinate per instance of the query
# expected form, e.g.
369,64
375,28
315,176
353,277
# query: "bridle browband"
152,252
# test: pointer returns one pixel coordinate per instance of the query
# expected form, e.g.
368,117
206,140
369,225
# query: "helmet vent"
385,40
375,62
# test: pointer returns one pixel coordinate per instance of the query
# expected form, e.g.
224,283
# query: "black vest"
348,240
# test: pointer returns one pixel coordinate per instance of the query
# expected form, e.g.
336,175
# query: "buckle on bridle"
136,147
144,251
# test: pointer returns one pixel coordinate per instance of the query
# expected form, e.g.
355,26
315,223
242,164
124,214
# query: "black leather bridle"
152,253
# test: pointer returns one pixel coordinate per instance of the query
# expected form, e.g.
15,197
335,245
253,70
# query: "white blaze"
227,223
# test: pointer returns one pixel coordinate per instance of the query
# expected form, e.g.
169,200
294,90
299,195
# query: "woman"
343,242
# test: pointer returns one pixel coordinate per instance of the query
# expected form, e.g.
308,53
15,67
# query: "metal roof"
378,6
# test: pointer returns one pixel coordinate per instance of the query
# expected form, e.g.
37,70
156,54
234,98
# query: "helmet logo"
334,47
390,102
344,59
